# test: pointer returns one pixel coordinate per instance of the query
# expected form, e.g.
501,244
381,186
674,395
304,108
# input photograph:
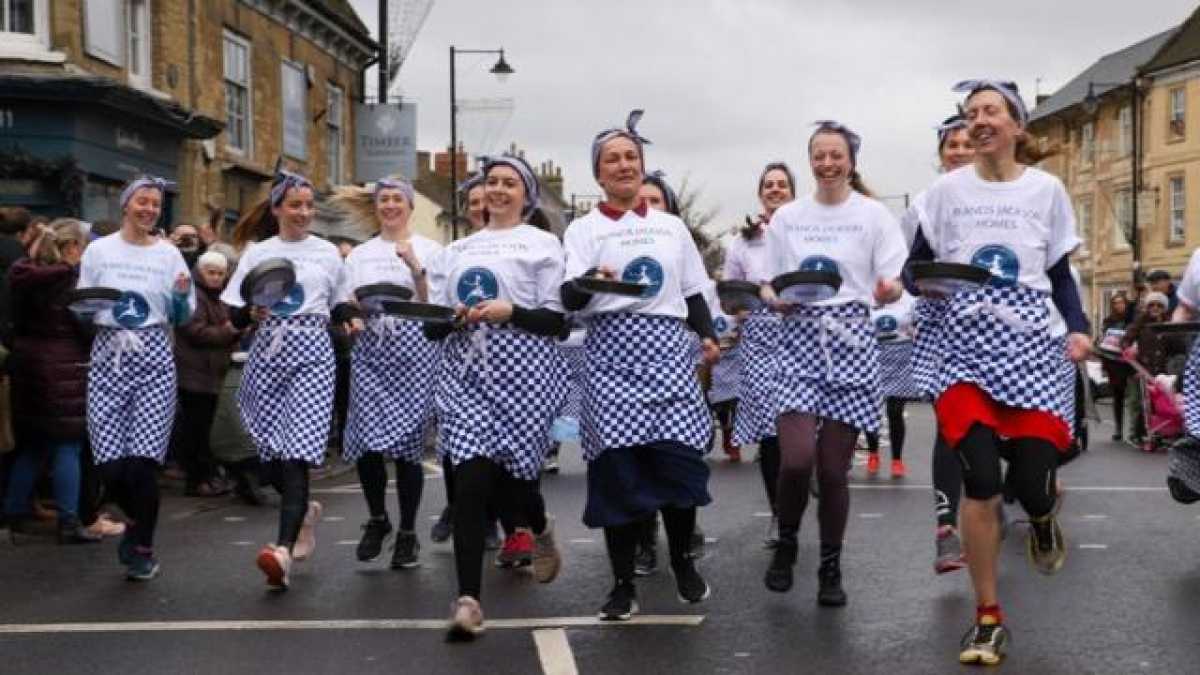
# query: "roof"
343,13
1111,72
1182,48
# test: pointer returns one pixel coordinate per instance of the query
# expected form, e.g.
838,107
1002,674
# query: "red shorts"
964,404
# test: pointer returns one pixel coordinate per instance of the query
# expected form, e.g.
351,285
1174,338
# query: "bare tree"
698,218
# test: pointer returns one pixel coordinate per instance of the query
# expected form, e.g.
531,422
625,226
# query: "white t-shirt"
910,222
375,262
319,272
521,265
144,274
1188,290
1015,229
747,260
859,239
655,250
896,318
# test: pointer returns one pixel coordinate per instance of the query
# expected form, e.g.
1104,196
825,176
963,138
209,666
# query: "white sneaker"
275,562
306,541
466,619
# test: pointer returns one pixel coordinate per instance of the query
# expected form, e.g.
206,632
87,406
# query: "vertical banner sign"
385,141
295,108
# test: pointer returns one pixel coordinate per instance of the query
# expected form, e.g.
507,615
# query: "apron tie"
123,342
477,352
280,331
383,325
829,327
1005,314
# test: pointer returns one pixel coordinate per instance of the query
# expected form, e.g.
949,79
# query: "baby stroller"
1161,408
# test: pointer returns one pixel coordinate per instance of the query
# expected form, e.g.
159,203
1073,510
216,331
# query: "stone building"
209,94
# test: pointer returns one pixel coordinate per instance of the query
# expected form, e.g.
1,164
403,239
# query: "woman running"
131,384
828,378
392,365
747,259
645,424
1000,390
502,378
893,326
286,397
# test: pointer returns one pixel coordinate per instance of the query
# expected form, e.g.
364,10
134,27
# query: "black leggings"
947,482
1032,466
622,540
290,479
806,440
894,408
768,464
193,431
132,482
477,482
725,411
410,482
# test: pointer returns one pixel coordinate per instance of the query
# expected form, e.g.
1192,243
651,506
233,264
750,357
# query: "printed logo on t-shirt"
290,303
476,285
886,325
645,271
720,325
819,263
131,310
1000,261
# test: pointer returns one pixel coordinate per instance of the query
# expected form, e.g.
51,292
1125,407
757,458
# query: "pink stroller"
1161,406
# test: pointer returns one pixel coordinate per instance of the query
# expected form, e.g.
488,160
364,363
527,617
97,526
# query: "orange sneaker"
898,468
872,463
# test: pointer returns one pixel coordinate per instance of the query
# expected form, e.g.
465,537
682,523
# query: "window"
25,31
1084,224
333,126
237,93
1178,231
1087,143
138,41
104,30
1176,123
1123,212
16,16
294,86
1125,131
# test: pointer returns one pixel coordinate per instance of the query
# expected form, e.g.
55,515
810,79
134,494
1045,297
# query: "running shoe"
375,534
306,541
547,560
404,555
142,565
645,561
443,529
779,574
690,585
517,550
733,452
550,466
872,464
466,620
830,592
622,603
1047,548
949,551
898,468
125,547
984,643
275,562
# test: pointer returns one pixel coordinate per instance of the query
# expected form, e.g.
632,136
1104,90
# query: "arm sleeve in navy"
699,318
544,322
1065,293
920,252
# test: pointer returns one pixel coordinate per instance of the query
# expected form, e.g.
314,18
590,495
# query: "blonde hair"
359,204
55,237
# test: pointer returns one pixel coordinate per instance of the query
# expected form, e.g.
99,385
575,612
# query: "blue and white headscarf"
948,126
465,187
405,188
853,140
284,181
155,182
630,132
1005,88
658,178
532,189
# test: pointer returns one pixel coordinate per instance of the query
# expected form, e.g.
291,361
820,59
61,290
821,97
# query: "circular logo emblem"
819,263
476,285
886,324
131,310
646,272
290,303
1000,261
720,325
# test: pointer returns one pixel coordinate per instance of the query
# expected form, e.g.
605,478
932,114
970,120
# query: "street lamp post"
1091,103
501,70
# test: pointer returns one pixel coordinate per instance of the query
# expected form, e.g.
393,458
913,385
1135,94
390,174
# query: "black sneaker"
984,643
830,593
1047,547
697,549
645,561
691,586
622,603
375,533
404,556
443,529
779,574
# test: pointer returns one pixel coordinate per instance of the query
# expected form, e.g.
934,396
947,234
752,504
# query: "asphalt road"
1127,601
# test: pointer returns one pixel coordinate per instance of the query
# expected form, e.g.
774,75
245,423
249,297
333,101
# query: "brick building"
210,94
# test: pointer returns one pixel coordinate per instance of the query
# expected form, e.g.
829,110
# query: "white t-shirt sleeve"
734,267
435,278
693,277
339,282
1189,287
777,248
180,267
549,273
232,295
890,250
87,268
577,245
1063,236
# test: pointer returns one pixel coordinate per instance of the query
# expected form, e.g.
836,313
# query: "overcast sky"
729,85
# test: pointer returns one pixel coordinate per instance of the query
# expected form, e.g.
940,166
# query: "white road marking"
346,542
333,519
762,514
242,543
555,652
234,519
870,515
710,540
1094,516
1070,488
686,620
1096,547
741,655
583,541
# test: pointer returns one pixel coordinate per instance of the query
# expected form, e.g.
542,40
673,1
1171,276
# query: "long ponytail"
256,225
857,184
359,204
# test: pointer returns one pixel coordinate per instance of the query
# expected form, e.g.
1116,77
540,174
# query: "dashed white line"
333,519
870,515
554,652
762,514
583,541
1094,516
234,519
1095,547
347,542
242,543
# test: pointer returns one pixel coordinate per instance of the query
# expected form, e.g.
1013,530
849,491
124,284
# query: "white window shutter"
104,30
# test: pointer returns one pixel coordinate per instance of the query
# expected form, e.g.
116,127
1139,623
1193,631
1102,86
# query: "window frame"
1122,199
1125,130
335,129
1176,235
1177,94
1085,222
33,46
299,69
1087,143
145,51
229,37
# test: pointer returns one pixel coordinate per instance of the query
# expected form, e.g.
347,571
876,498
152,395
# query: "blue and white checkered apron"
726,376
895,370
286,397
997,338
758,404
926,360
392,371
498,391
1191,391
576,363
829,364
641,385
131,394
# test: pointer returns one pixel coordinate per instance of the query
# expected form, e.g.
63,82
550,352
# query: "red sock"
989,614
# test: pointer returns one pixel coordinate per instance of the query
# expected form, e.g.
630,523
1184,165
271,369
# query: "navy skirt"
627,485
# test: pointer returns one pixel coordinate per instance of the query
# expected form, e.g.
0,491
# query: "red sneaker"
872,463
517,550
898,468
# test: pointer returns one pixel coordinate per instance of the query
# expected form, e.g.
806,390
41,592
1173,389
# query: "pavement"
1127,600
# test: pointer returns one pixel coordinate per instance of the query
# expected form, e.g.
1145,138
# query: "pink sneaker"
275,562
950,556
